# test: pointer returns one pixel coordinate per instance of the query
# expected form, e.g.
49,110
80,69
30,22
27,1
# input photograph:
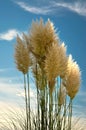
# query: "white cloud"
21,93
33,9
9,35
9,88
14,91
78,7
52,7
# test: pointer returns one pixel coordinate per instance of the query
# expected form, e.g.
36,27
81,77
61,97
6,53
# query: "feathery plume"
73,78
41,37
52,62
21,56
56,61
63,60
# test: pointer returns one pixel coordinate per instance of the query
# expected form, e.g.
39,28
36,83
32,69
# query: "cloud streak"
55,7
78,7
9,35
33,9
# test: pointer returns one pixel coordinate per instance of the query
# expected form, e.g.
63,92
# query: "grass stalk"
38,104
50,111
46,109
70,115
64,115
42,110
59,110
29,102
26,104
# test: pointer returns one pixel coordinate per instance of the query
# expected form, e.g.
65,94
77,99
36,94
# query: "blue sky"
69,18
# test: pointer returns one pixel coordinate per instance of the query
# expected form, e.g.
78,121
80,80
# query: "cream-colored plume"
41,37
56,61
73,78
21,56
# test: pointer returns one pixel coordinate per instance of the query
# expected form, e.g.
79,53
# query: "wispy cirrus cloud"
77,7
14,92
9,35
55,7
34,9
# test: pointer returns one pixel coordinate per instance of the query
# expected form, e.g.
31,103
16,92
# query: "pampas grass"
57,79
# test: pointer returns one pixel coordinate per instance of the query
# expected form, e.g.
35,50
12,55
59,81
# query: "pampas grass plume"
52,62
42,36
73,78
21,56
56,61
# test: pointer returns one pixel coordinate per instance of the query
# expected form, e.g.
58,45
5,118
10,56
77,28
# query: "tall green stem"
70,115
26,105
42,110
29,102
50,111
38,112
64,115
46,110
59,110
43,85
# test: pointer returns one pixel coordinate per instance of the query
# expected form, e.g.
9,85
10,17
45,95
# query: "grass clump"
57,78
